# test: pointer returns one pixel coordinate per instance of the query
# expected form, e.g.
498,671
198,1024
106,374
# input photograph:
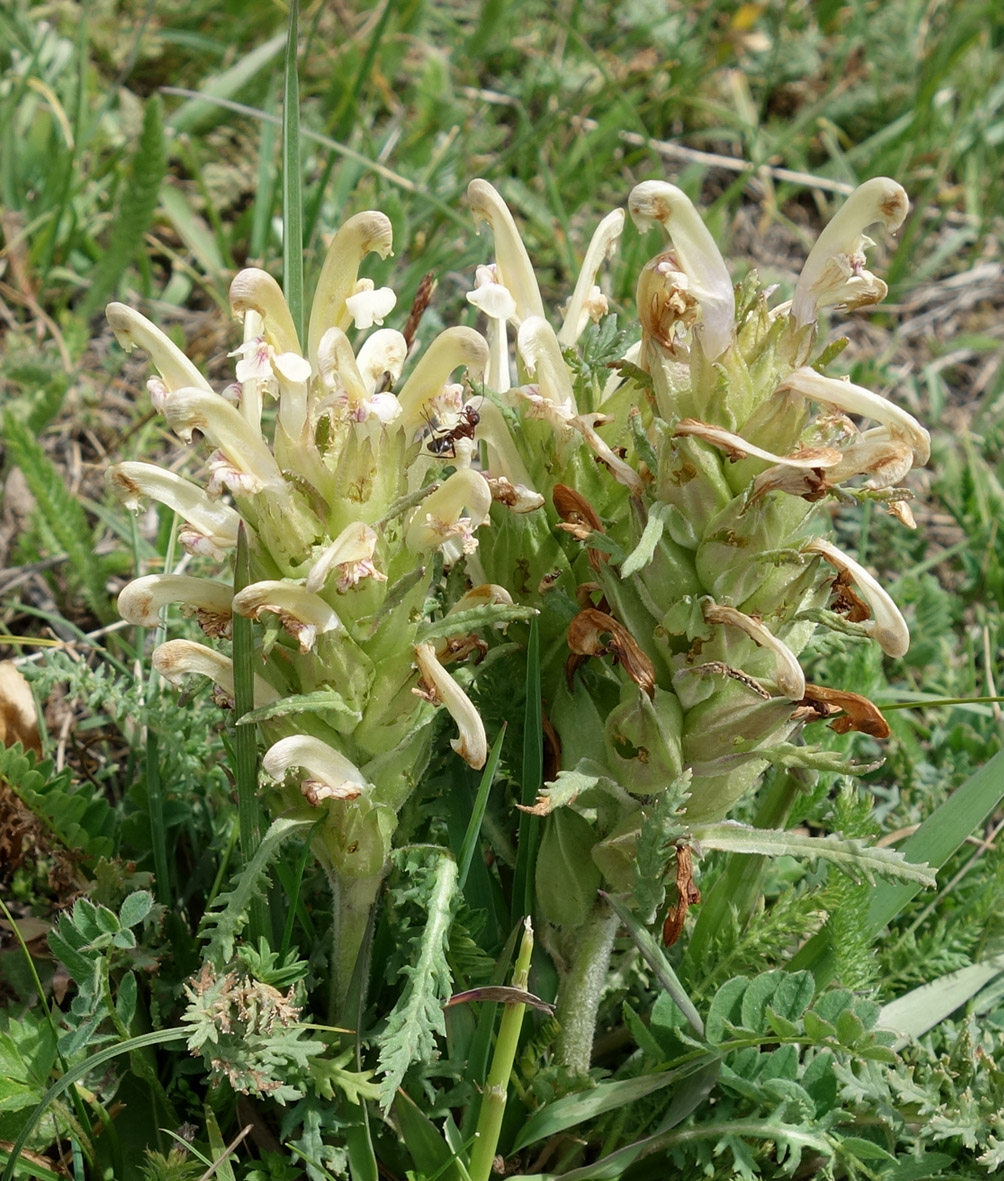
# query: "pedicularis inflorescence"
657,501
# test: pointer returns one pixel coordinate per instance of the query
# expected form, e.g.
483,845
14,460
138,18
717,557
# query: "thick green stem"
582,986
353,900
496,1090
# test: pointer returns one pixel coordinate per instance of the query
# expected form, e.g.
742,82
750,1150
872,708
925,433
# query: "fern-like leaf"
853,856
417,1017
77,816
224,923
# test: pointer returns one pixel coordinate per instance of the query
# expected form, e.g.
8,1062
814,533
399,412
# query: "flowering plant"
659,510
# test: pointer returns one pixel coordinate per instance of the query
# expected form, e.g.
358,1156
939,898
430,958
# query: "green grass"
141,160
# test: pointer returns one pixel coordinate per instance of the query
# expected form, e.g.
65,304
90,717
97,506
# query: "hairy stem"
353,900
582,986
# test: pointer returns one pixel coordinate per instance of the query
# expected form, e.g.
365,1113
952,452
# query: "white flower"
140,601
887,624
303,614
855,399
788,675
351,554
588,302
368,306
440,521
495,300
698,256
176,659
834,273
441,689
456,348
338,280
333,776
132,329
213,525
514,268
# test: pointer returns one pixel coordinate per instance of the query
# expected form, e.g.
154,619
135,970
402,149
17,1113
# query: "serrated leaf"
230,911
474,619
853,857
319,701
417,1018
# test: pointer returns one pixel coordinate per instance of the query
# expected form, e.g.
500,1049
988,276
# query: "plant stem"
582,987
353,900
496,1090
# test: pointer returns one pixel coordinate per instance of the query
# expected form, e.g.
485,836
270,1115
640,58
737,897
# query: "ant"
445,443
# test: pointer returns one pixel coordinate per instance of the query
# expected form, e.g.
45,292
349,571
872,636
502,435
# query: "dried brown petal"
547,582
584,634
846,600
860,713
687,895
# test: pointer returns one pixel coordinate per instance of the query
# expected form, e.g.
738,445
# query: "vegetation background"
140,160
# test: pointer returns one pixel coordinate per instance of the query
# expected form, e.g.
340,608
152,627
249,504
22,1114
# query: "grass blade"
292,195
480,803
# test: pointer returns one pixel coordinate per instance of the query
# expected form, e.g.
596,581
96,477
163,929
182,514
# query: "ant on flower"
445,442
